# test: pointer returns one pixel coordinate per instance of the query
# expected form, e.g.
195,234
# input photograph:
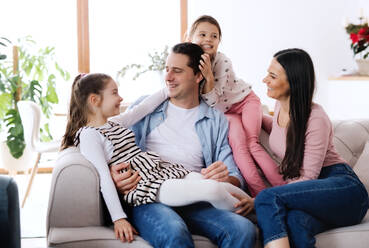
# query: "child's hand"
205,68
123,230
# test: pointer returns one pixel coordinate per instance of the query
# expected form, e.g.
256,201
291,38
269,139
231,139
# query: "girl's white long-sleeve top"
98,150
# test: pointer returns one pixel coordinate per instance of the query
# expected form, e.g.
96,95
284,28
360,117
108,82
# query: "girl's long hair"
300,74
83,86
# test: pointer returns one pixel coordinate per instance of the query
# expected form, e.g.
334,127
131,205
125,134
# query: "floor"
33,243
33,214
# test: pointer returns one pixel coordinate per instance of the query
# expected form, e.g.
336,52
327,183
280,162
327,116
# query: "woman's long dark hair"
83,86
299,70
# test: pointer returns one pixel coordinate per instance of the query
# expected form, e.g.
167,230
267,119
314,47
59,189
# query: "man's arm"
124,182
223,168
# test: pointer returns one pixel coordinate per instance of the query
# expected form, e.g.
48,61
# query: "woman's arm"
136,113
316,145
92,149
267,123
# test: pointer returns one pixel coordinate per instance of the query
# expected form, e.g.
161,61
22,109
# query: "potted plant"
359,35
157,64
30,75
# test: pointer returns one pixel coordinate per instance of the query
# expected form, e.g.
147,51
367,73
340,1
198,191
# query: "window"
124,32
50,23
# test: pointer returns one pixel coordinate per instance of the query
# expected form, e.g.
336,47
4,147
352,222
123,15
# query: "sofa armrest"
74,199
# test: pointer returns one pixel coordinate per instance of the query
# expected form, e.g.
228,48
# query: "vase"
11,164
363,66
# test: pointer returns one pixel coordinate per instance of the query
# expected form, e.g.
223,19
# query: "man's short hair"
193,51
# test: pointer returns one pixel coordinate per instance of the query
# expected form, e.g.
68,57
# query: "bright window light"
124,32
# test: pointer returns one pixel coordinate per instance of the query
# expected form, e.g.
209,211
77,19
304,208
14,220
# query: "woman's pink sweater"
319,148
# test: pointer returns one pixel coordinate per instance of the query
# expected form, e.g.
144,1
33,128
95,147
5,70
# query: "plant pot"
12,164
363,66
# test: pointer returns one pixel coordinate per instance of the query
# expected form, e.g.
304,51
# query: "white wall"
254,30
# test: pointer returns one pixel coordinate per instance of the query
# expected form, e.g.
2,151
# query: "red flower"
354,38
363,31
359,35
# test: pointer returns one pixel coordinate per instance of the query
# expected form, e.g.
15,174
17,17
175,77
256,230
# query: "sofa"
9,213
77,216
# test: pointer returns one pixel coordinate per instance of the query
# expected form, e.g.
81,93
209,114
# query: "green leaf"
33,91
51,95
15,138
5,104
16,146
45,133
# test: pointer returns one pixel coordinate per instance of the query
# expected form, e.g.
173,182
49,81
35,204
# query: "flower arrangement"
359,35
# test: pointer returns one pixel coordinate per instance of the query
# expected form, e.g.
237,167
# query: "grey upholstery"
9,213
76,211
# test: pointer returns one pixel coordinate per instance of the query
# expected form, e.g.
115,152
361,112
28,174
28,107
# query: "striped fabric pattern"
152,170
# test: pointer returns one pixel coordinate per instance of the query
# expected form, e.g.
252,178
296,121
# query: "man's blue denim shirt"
211,127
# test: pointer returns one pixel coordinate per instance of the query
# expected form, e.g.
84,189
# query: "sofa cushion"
102,236
362,166
92,236
350,236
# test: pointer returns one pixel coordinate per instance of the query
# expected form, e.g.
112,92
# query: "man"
185,130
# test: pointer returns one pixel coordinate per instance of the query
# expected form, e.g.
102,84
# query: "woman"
322,191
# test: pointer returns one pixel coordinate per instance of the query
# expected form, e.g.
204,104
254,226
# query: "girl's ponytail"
83,86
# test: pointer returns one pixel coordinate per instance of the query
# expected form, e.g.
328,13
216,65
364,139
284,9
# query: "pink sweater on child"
319,148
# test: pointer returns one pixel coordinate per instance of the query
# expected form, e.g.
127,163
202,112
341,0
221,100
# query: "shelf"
350,78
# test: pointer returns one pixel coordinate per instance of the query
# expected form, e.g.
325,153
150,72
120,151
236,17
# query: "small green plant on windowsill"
34,80
157,63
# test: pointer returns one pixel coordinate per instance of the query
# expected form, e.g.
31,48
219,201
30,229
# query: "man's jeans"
163,226
303,209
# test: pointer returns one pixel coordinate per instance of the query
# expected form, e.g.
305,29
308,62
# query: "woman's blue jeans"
163,226
303,209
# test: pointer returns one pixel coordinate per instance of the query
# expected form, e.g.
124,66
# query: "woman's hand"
124,230
245,205
205,68
125,181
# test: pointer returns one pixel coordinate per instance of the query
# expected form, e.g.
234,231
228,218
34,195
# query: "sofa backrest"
350,137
